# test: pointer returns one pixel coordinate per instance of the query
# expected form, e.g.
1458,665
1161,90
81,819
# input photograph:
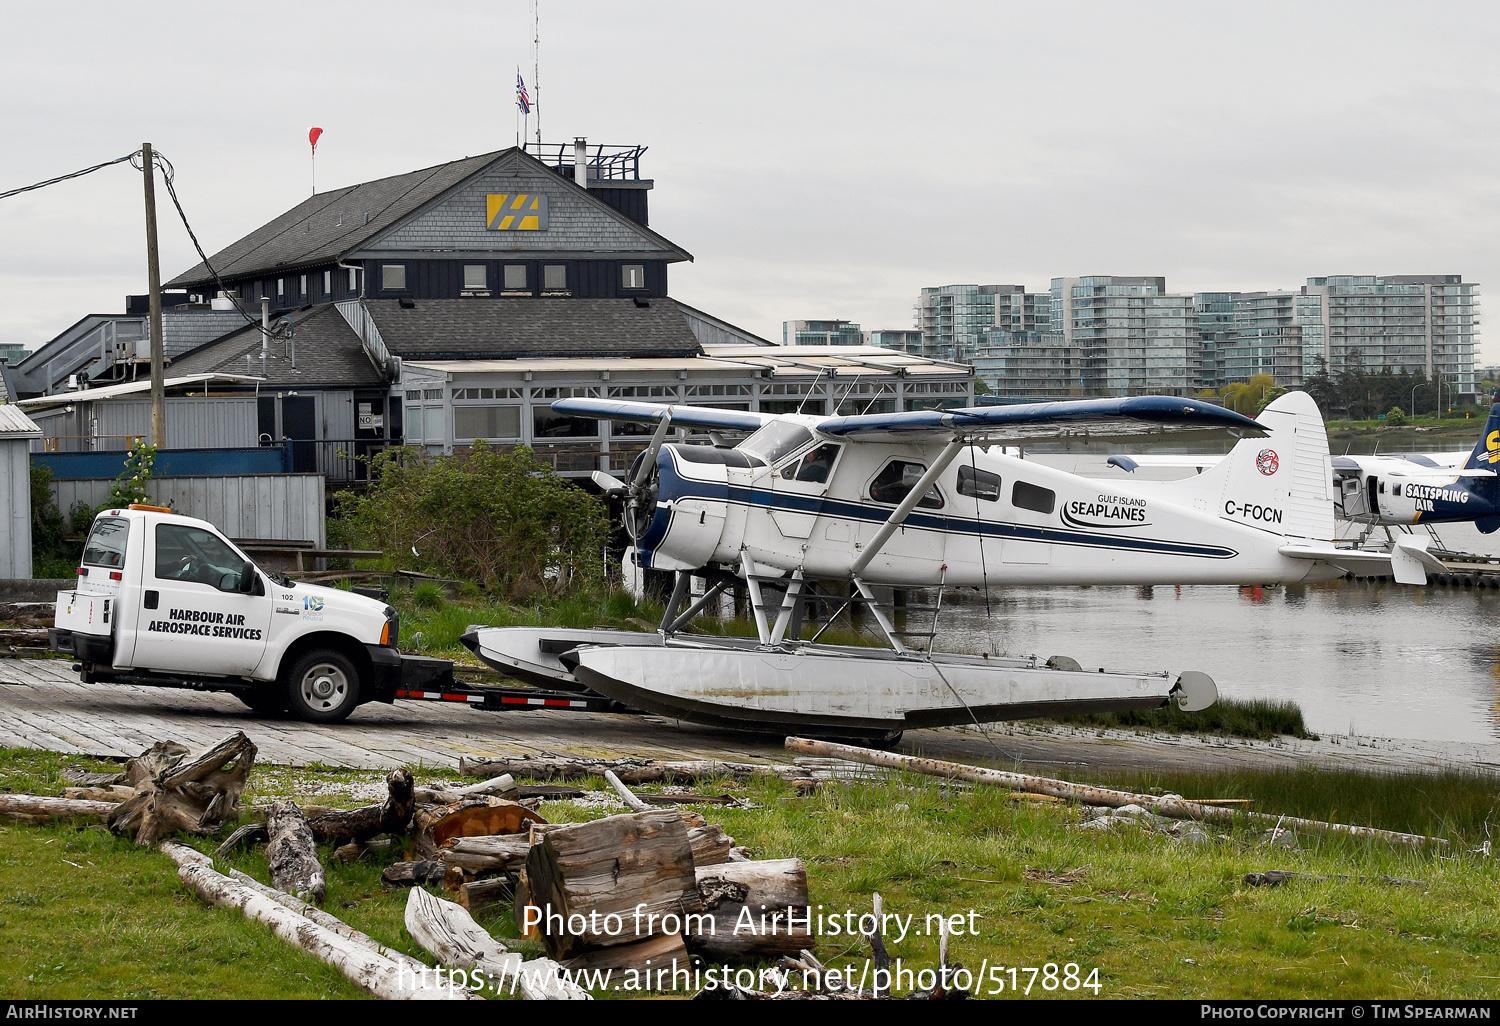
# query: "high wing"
682,416
1139,415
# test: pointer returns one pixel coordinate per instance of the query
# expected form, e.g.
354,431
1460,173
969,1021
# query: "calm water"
1370,657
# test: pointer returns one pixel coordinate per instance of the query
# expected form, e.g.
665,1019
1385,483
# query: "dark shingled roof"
523,327
329,225
328,353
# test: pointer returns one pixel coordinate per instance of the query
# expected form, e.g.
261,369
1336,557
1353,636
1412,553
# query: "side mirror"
249,578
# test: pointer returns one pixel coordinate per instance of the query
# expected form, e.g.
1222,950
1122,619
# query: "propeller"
640,493
610,485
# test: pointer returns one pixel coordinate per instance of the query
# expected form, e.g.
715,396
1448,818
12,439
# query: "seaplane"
807,507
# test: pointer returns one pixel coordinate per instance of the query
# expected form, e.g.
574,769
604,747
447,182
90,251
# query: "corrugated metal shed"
280,507
16,433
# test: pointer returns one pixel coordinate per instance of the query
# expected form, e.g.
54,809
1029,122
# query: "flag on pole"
523,102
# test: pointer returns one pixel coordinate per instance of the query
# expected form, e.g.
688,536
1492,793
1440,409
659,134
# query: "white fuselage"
990,519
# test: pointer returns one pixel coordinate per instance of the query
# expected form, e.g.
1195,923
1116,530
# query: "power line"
75,174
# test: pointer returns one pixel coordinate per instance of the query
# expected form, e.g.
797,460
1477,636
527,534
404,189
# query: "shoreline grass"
1158,916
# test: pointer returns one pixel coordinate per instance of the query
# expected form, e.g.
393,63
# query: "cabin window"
554,277
816,465
1395,489
393,277
353,279
979,484
302,285
515,276
476,276
280,287
327,283
633,276
895,482
1033,497
775,440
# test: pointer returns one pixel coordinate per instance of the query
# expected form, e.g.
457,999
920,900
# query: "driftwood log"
293,854
340,826
710,844
363,966
480,896
638,867
175,793
325,919
451,935
412,874
477,856
1173,808
758,894
36,808
630,771
646,956
1281,877
115,793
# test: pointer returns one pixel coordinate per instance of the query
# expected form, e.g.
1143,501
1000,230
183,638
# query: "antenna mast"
536,60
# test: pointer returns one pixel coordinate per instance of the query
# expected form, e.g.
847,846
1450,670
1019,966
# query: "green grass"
1258,718
1158,917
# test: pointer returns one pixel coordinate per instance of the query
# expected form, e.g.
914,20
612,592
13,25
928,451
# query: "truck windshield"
106,544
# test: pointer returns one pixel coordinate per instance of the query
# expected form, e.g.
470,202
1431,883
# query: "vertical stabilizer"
1282,483
1486,454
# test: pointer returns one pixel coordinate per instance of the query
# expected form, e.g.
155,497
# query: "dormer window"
393,277
554,277
515,276
476,276
633,276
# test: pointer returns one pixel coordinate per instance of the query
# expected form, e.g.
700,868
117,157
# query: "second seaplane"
927,500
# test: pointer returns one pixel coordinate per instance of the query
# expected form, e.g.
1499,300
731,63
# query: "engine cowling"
678,519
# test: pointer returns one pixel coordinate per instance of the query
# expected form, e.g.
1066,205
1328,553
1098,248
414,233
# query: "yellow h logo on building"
516,212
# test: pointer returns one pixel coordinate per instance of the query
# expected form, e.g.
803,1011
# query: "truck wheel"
322,687
265,699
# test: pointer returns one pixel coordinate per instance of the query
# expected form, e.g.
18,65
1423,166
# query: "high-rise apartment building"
1133,337
1420,324
1027,364
953,318
903,340
821,333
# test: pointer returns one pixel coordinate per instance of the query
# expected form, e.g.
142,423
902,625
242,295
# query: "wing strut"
900,513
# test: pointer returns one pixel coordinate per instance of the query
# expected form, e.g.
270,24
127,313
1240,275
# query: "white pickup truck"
167,600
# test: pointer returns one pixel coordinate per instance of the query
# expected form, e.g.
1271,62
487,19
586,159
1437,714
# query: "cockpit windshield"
775,440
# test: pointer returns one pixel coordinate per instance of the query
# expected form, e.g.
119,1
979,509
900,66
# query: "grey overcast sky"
818,159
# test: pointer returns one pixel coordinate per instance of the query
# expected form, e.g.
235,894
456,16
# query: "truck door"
194,618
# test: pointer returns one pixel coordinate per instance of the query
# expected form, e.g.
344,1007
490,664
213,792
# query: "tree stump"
617,880
755,896
173,793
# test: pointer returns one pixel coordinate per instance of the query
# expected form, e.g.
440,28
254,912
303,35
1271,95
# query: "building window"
476,276
488,422
515,276
353,279
327,283
633,276
547,424
280,287
554,277
302,285
392,277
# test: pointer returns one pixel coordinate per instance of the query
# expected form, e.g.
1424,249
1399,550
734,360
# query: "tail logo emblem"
1267,462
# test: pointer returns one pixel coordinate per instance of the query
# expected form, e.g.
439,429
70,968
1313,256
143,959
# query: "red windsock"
312,136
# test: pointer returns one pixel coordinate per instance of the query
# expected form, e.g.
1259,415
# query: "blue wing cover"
1134,415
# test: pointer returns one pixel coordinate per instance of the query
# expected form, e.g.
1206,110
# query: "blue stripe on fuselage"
675,486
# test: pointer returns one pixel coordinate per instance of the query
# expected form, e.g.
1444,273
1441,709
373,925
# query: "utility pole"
153,275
